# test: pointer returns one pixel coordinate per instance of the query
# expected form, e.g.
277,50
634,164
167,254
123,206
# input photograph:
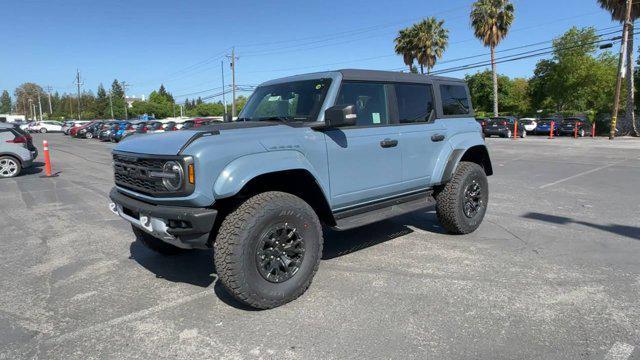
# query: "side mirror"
340,116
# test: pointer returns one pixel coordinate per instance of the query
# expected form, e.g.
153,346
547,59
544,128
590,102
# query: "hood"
172,142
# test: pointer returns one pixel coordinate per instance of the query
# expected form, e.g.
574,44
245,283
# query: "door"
421,136
365,161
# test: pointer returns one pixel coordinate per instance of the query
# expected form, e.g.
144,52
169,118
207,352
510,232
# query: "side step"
370,213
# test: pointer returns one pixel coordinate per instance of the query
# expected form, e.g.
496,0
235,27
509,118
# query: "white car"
530,124
45,126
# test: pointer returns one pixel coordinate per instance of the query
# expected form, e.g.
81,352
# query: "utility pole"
78,84
126,104
111,105
224,98
622,64
40,105
49,93
233,81
181,111
31,109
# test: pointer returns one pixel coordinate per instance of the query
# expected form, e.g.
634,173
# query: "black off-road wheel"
462,202
268,249
156,244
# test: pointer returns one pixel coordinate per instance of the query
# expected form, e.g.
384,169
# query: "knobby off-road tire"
155,244
452,200
245,239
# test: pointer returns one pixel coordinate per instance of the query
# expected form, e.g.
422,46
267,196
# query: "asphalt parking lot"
552,273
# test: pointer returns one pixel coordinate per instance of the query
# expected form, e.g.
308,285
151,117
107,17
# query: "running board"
370,213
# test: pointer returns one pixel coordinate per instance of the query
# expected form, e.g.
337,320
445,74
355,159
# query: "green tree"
575,78
5,102
431,42
491,21
405,46
117,97
102,103
481,85
25,95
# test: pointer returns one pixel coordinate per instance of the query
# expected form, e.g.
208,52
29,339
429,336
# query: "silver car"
16,150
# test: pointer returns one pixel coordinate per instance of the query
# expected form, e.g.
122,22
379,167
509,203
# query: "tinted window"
369,99
454,100
415,102
188,124
297,101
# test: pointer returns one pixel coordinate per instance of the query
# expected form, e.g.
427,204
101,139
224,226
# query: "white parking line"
619,351
581,174
129,317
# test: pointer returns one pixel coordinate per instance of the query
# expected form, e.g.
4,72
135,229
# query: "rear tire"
268,249
43,130
155,244
89,135
9,167
462,202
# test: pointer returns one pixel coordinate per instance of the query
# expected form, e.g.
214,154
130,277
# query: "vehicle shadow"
196,267
631,232
36,168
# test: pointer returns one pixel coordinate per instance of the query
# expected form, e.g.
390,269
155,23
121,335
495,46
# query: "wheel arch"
12,155
476,154
286,171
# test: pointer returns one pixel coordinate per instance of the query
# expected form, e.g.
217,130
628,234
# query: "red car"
74,130
196,123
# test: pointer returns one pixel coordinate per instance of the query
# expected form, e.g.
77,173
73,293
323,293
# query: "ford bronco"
341,149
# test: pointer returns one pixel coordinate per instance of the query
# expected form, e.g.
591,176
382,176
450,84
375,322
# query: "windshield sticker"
376,118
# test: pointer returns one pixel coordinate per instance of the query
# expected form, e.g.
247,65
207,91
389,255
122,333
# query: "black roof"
391,76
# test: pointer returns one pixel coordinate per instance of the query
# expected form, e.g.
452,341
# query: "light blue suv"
341,148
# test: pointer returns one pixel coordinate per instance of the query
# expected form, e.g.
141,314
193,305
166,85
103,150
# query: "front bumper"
184,227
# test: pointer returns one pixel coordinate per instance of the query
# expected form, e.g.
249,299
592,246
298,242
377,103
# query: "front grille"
132,172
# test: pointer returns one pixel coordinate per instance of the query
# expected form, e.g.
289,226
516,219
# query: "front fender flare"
240,171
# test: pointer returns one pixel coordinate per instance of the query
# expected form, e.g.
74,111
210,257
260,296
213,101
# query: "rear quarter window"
415,102
455,100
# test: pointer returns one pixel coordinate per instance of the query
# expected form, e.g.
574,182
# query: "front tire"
155,244
89,135
268,249
462,202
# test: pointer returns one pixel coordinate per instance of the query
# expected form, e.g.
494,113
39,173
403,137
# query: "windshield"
188,124
293,101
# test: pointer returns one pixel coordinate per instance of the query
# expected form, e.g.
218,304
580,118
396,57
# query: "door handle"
437,137
387,143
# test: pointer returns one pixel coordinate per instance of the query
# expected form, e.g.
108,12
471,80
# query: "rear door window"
415,102
454,100
369,99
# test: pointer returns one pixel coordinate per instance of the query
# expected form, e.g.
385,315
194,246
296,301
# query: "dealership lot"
553,272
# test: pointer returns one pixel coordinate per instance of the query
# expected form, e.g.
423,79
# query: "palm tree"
405,46
431,41
491,20
617,8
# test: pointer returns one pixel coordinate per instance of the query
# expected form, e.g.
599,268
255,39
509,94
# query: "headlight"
173,175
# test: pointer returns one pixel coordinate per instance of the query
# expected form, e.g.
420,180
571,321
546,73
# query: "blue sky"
181,43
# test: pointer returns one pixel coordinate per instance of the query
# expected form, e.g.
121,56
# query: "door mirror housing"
340,116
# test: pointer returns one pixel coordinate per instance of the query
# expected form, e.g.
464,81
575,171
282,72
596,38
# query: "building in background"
131,99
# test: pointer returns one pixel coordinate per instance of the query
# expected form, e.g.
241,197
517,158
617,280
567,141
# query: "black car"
569,125
92,131
504,126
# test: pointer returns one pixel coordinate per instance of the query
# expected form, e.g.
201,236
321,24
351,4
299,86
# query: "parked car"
81,131
355,147
77,126
195,123
569,125
170,126
123,127
25,125
16,150
504,126
46,126
107,130
529,124
91,131
543,126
